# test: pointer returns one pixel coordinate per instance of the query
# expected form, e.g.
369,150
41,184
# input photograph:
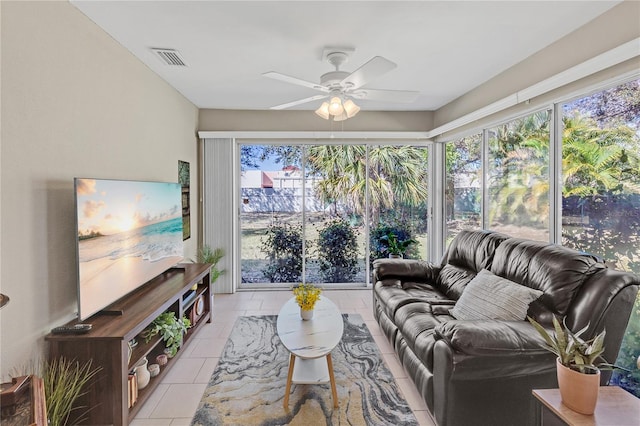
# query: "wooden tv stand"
107,344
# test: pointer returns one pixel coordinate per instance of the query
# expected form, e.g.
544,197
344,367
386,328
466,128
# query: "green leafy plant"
394,245
283,247
338,252
208,255
573,351
170,328
64,382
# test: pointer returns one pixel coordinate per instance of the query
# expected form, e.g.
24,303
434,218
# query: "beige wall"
610,30
388,121
74,103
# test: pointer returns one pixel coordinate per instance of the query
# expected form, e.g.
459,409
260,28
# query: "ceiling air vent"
170,57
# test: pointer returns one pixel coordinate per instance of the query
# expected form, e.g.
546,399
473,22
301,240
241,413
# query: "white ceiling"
443,48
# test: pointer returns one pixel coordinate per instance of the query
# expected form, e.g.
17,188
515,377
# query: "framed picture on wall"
184,178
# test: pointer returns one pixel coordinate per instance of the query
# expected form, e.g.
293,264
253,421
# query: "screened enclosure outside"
317,213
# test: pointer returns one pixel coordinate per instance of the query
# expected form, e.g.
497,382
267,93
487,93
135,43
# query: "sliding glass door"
398,201
321,213
336,178
271,207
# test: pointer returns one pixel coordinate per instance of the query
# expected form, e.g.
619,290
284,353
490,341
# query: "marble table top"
313,338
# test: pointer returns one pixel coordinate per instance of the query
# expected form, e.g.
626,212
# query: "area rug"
247,386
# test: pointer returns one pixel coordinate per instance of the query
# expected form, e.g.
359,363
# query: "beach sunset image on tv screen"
128,233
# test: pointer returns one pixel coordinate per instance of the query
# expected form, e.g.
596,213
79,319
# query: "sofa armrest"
405,269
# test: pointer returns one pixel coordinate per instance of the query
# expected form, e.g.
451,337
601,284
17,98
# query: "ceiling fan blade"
367,72
293,80
300,101
386,95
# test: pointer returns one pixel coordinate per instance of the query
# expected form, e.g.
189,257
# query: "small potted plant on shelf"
170,328
396,248
306,296
578,373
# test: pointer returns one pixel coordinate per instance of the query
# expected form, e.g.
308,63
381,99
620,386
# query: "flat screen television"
128,232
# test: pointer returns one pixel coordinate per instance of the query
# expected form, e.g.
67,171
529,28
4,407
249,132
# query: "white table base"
310,372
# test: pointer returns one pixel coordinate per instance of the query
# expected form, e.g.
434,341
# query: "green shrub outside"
338,252
283,247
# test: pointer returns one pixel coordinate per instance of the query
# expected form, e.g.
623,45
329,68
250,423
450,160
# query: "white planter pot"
306,314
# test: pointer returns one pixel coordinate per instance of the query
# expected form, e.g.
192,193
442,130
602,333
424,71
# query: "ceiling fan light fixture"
350,108
340,117
335,106
323,111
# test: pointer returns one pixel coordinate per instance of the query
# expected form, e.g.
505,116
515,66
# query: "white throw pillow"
488,296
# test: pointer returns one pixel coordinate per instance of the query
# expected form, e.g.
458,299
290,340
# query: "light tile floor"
175,400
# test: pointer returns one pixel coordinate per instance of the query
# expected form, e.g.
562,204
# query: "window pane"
334,211
601,192
271,214
398,201
463,185
518,172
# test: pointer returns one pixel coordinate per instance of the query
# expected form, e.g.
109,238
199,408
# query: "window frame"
304,143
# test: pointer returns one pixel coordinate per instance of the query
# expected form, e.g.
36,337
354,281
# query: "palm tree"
397,175
596,160
519,183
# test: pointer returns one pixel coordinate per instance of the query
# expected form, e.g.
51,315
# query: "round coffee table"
310,341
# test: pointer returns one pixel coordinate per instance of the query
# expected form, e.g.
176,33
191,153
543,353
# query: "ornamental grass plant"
573,351
306,296
64,382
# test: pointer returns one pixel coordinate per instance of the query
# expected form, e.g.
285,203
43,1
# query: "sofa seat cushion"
491,337
394,296
417,322
488,296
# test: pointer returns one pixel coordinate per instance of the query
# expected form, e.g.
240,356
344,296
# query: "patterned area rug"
247,386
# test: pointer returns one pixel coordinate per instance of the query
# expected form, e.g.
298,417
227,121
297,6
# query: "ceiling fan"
340,86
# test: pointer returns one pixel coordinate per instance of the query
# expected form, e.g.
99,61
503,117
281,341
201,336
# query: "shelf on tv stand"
107,342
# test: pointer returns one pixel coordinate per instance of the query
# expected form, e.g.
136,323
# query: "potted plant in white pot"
578,373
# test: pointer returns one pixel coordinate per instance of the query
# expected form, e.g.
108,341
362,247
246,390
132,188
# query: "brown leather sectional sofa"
481,372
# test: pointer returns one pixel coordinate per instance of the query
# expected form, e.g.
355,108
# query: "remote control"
72,329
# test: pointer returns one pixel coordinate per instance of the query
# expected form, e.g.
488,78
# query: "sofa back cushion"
468,254
488,296
555,270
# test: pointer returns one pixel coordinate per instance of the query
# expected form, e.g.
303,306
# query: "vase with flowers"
306,296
